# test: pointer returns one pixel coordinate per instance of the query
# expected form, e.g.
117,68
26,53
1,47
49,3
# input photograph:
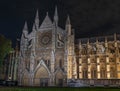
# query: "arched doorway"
59,79
25,79
41,77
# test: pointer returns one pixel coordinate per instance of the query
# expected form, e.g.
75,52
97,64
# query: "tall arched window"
60,63
85,73
48,63
45,62
93,73
112,72
84,50
102,73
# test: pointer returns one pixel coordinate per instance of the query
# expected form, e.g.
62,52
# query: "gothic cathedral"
44,53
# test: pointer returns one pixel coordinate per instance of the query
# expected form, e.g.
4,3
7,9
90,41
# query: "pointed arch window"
112,72
48,63
93,73
45,62
60,63
84,73
102,73
84,50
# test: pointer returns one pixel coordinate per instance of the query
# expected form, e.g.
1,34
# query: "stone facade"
44,53
50,55
98,61
98,58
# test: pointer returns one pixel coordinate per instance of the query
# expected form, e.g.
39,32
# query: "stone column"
89,67
52,80
98,67
52,77
31,80
108,67
9,71
12,66
80,68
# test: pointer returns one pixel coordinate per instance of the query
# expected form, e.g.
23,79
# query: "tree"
5,48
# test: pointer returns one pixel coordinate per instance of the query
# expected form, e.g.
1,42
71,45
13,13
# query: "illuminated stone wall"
99,58
43,57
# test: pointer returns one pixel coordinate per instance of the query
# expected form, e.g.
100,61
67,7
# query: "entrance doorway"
44,82
60,82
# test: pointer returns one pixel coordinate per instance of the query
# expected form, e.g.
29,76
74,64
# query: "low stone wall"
94,82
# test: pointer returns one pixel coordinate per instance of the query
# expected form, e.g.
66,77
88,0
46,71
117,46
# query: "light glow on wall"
88,60
98,67
107,59
98,60
89,75
89,68
80,68
98,75
80,61
108,68
108,75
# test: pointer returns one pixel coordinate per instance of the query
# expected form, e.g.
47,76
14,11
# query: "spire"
105,39
68,26
97,40
106,42
37,19
34,28
56,16
80,44
25,29
88,41
68,20
115,37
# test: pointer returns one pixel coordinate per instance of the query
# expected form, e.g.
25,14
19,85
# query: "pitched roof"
46,23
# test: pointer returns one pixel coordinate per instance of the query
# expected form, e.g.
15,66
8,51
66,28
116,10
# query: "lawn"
56,89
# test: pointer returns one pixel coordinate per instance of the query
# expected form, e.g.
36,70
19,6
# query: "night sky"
89,18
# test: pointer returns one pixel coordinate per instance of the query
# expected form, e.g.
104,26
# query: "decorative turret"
33,39
68,20
68,26
88,46
106,42
97,41
37,20
34,28
70,50
80,44
24,38
56,16
115,37
25,30
88,41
